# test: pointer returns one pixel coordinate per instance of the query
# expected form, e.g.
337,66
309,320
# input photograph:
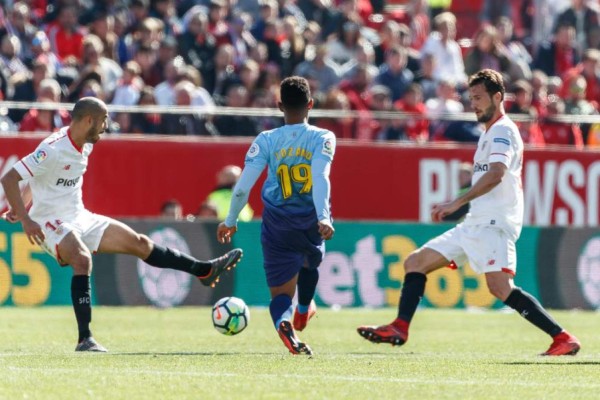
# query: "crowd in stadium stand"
361,55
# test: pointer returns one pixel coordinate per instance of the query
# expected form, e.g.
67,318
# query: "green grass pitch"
176,354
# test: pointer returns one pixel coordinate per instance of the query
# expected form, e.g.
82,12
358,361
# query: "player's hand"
10,216
326,229
439,211
225,233
33,230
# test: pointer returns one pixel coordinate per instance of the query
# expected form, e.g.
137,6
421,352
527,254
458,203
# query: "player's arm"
18,210
321,191
487,182
241,191
320,169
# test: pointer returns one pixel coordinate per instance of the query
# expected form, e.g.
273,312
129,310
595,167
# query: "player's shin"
164,257
280,309
82,304
412,292
307,284
531,309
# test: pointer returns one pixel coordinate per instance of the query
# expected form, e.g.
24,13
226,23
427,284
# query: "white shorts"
89,227
486,248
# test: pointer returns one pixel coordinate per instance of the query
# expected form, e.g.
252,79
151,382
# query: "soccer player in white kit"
488,234
60,224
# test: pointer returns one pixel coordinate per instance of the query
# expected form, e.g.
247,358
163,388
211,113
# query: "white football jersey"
503,205
55,173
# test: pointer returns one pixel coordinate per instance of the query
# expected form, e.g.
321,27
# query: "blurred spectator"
146,123
41,120
293,46
165,91
207,210
589,68
167,51
493,10
263,98
419,23
240,38
198,47
576,104
224,71
556,132
529,129
523,98
380,100
445,103
425,77
321,68
356,88
539,94
26,86
416,127
236,125
342,49
389,36
343,127
269,10
438,7
165,11
393,73
582,17
217,25
559,55
65,36
554,86
18,24
10,51
519,56
487,53
446,53
365,55
183,124
40,51
110,72
146,56
200,97
221,195
413,57
102,25
171,209
128,89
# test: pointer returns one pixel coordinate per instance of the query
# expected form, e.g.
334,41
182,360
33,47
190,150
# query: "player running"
296,216
60,224
488,234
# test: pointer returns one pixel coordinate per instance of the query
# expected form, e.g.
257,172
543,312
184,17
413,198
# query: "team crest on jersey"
253,150
327,147
39,156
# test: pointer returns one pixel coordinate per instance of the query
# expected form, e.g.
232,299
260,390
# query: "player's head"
295,95
486,93
91,116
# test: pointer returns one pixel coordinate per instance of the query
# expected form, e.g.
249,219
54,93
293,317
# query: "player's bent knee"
413,264
143,245
82,264
499,290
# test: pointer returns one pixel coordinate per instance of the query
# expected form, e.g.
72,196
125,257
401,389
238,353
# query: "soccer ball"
230,315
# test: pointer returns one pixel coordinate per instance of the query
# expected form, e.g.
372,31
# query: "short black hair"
87,106
295,92
491,80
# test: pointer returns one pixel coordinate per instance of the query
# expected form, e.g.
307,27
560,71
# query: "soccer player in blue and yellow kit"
296,216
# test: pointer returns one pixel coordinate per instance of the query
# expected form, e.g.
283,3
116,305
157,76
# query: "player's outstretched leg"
396,333
217,265
281,312
207,272
529,308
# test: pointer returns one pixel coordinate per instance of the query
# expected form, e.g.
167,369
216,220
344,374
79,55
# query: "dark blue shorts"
287,249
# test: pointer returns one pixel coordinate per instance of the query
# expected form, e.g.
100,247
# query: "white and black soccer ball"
230,315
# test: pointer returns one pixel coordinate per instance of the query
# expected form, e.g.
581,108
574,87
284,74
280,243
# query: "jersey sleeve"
325,147
257,155
37,163
502,146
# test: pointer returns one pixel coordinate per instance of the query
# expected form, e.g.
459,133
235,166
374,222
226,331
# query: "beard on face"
487,115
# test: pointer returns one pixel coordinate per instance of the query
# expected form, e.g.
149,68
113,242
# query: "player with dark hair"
488,234
296,217
60,224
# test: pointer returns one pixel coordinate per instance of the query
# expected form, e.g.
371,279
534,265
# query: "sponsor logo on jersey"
480,168
67,182
327,147
502,140
253,150
39,156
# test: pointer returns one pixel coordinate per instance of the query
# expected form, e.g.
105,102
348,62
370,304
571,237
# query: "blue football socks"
281,309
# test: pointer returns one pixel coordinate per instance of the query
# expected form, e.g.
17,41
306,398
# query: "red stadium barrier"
132,176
